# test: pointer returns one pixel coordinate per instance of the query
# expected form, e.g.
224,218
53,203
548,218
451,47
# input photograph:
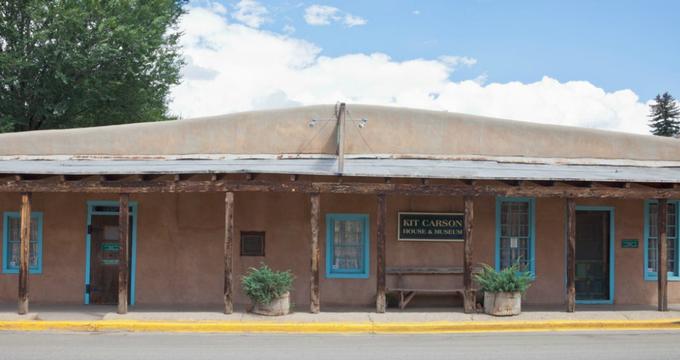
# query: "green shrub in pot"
268,289
503,289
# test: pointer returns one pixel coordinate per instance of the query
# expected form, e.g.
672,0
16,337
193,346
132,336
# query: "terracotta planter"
279,306
503,303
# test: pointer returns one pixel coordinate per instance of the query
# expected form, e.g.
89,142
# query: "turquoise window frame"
133,242
330,234
651,275
36,270
532,230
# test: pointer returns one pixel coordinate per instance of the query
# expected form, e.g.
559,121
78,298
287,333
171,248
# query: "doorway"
103,250
594,255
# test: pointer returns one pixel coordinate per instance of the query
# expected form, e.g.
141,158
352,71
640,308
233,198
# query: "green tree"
75,63
665,116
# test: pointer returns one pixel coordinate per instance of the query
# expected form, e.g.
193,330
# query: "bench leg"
405,300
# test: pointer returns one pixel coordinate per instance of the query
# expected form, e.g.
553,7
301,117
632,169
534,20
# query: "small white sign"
514,242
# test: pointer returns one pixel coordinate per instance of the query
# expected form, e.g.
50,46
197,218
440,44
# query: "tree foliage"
665,116
73,63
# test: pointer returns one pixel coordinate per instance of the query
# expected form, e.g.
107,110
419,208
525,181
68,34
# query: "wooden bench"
406,294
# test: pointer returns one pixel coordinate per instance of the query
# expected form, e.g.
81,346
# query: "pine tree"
665,116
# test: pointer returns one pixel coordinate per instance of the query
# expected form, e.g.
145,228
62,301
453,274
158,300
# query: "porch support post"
314,302
228,246
662,263
380,262
469,296
24,252
571,255
124,239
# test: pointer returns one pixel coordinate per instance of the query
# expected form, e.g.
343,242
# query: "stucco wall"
180,246
389,130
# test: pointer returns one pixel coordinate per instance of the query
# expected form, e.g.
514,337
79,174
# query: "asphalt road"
506,346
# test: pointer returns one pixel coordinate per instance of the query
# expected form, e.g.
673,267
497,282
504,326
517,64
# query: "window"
252,243
515,233
12,241
347,246
652,240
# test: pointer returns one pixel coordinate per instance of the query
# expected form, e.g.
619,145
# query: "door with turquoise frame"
103,253
594,255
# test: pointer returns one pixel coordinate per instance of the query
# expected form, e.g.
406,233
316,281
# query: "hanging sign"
418,226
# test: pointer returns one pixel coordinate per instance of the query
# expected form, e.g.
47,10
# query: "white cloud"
288,29
234,67
319,15
456,61
416,12
251,13
351,20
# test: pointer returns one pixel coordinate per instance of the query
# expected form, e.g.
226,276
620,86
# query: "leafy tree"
665,116
74,63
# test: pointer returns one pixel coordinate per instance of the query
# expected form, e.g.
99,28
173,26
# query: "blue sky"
584,63
613,44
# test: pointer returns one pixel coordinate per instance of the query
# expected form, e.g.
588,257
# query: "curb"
339,327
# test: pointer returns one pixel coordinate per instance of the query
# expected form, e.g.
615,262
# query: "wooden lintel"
344,187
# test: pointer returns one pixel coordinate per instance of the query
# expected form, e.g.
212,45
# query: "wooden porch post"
24,252
228,246
380,262
123,238
662,258
314,302
571,255
469,296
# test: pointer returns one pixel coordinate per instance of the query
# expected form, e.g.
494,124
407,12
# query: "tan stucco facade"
180,246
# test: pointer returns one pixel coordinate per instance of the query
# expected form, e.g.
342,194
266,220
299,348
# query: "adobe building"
359,202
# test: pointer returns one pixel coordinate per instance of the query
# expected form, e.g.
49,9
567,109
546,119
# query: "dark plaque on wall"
419,226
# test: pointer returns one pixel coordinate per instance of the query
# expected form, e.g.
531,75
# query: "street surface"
506,346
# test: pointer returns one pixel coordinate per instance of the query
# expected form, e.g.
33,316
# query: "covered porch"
465,195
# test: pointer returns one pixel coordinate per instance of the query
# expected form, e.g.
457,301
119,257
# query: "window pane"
671,236
14,243
515,234
348,246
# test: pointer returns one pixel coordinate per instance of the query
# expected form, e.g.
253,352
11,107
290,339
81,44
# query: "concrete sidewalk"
429,320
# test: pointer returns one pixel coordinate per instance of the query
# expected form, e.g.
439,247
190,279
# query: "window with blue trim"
347,246
11,245
652,240
515,233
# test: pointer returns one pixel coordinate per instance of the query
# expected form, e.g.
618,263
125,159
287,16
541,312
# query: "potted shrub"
503,289
269,290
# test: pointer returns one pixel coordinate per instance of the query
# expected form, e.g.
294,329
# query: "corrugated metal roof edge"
201,157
